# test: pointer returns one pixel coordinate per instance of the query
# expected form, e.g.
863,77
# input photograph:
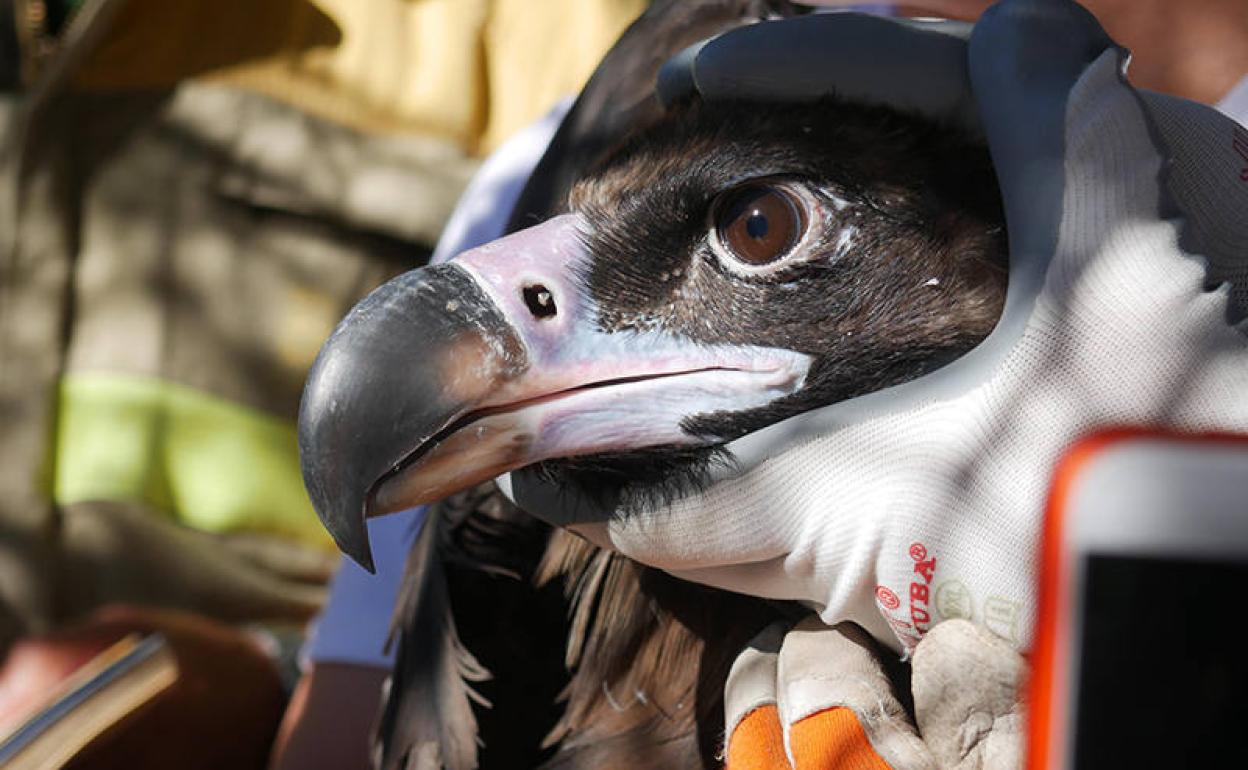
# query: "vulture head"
728,266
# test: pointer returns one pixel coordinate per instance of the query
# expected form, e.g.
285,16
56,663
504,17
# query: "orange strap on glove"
818,698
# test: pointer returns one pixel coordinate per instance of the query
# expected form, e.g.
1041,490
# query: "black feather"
478,558
428,722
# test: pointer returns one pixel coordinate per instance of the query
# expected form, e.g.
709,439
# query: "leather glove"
818,697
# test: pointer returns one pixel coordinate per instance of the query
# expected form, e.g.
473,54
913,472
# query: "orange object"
758,742
831,739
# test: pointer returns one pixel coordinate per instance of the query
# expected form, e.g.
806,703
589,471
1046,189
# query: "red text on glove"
920,588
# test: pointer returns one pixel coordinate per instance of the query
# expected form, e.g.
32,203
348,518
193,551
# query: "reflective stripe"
210,463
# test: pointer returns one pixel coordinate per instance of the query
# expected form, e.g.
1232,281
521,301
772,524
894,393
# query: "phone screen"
1163,678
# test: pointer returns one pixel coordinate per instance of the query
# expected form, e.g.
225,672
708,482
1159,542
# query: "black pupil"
756,225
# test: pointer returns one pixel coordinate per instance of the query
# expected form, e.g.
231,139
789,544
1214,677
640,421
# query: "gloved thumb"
966,684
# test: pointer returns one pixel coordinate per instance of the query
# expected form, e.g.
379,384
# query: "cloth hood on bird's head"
923,502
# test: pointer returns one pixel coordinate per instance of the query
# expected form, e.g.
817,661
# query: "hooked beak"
450,375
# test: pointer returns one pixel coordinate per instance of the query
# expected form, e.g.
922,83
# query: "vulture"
686,275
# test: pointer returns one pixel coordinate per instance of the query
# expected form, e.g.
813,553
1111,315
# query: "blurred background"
192,194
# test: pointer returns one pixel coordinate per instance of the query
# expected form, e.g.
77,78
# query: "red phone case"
1047,693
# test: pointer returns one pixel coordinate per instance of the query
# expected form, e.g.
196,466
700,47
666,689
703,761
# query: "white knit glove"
1128,280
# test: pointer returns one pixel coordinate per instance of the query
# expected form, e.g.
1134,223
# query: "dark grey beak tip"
375,392
337,492
365,560
344,420
357,548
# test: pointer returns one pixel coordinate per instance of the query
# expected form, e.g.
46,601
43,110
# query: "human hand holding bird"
814,697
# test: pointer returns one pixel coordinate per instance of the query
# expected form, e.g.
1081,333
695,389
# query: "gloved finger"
966,683
837,704
832,739
1025,57
751,720
1206,175
757,742
908,65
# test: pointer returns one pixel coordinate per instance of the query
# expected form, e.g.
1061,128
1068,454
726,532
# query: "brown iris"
759,224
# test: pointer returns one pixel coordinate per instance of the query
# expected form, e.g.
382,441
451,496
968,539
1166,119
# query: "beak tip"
341,514
335,497
375,392
346,524
360,553
334,483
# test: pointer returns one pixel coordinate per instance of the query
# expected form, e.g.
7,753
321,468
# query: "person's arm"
329,721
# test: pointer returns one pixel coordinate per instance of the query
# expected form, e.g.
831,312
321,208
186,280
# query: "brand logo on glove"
920,593
887,599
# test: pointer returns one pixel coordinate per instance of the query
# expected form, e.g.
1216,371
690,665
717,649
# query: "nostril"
539,301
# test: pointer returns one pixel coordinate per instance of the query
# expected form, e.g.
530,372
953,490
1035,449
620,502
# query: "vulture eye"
759,224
